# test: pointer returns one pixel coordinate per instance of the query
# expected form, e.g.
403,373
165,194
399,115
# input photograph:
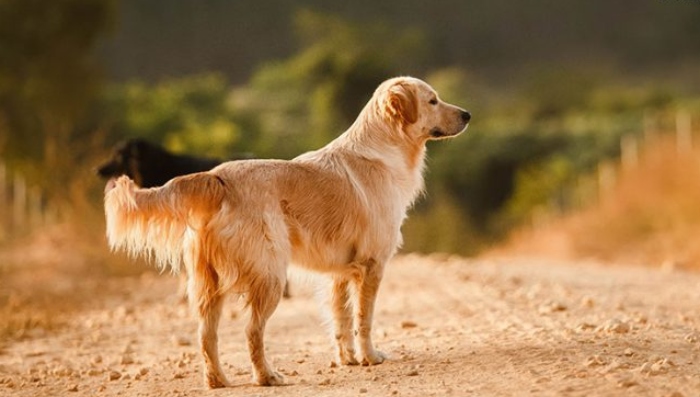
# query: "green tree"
191,114
305,101
48,75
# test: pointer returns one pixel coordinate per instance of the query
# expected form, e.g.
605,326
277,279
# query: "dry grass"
652,216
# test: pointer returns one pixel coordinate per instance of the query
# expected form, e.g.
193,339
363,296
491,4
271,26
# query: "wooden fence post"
629,152
36,213
684,135
3,187
19,203
606,179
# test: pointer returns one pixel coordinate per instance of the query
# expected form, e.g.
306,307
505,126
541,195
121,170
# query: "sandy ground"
452,327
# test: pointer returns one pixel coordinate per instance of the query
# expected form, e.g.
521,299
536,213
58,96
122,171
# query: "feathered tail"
153,222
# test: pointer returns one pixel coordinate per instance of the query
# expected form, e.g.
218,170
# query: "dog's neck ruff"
376,140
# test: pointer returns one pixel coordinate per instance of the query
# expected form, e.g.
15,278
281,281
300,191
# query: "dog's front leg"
367,288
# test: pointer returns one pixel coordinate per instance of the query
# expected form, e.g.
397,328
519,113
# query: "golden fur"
336,210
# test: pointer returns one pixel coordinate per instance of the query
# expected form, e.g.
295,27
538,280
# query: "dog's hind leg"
205,295
367,288
264,296
342,323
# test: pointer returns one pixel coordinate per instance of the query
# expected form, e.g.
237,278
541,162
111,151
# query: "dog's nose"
466,116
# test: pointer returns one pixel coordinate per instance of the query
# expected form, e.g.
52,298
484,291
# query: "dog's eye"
433,101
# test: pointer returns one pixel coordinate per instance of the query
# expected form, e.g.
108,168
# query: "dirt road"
452,327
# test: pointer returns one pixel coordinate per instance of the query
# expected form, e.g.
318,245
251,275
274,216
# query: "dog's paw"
270,379
346,356
347,360
214,381
373,357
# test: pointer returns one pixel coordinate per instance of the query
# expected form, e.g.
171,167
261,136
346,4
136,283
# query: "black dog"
150,165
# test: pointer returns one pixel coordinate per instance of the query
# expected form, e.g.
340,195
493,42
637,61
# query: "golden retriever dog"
337,210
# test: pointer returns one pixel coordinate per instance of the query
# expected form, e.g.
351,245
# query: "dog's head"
125,160
417,109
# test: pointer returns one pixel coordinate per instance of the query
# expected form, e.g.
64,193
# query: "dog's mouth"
439,133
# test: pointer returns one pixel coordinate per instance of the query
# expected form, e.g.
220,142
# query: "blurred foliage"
48,76
187,115
532,137
308,99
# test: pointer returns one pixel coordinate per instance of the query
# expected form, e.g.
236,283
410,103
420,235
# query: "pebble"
408,324
659,367
594,361
363,390
181,341
626,383
585,327
552,307
72,388
325,382
93,372
614,326
114,375
587,302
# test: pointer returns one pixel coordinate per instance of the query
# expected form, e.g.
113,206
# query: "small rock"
181,341
587,302
122,311
127,359
413,372
614,326
626,383
691,337
594,361
178,375
408,324
93,372
363,390
325,382
114,375
72,388
552,307
128,348
585,327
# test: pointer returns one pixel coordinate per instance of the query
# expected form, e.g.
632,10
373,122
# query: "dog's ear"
401,104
